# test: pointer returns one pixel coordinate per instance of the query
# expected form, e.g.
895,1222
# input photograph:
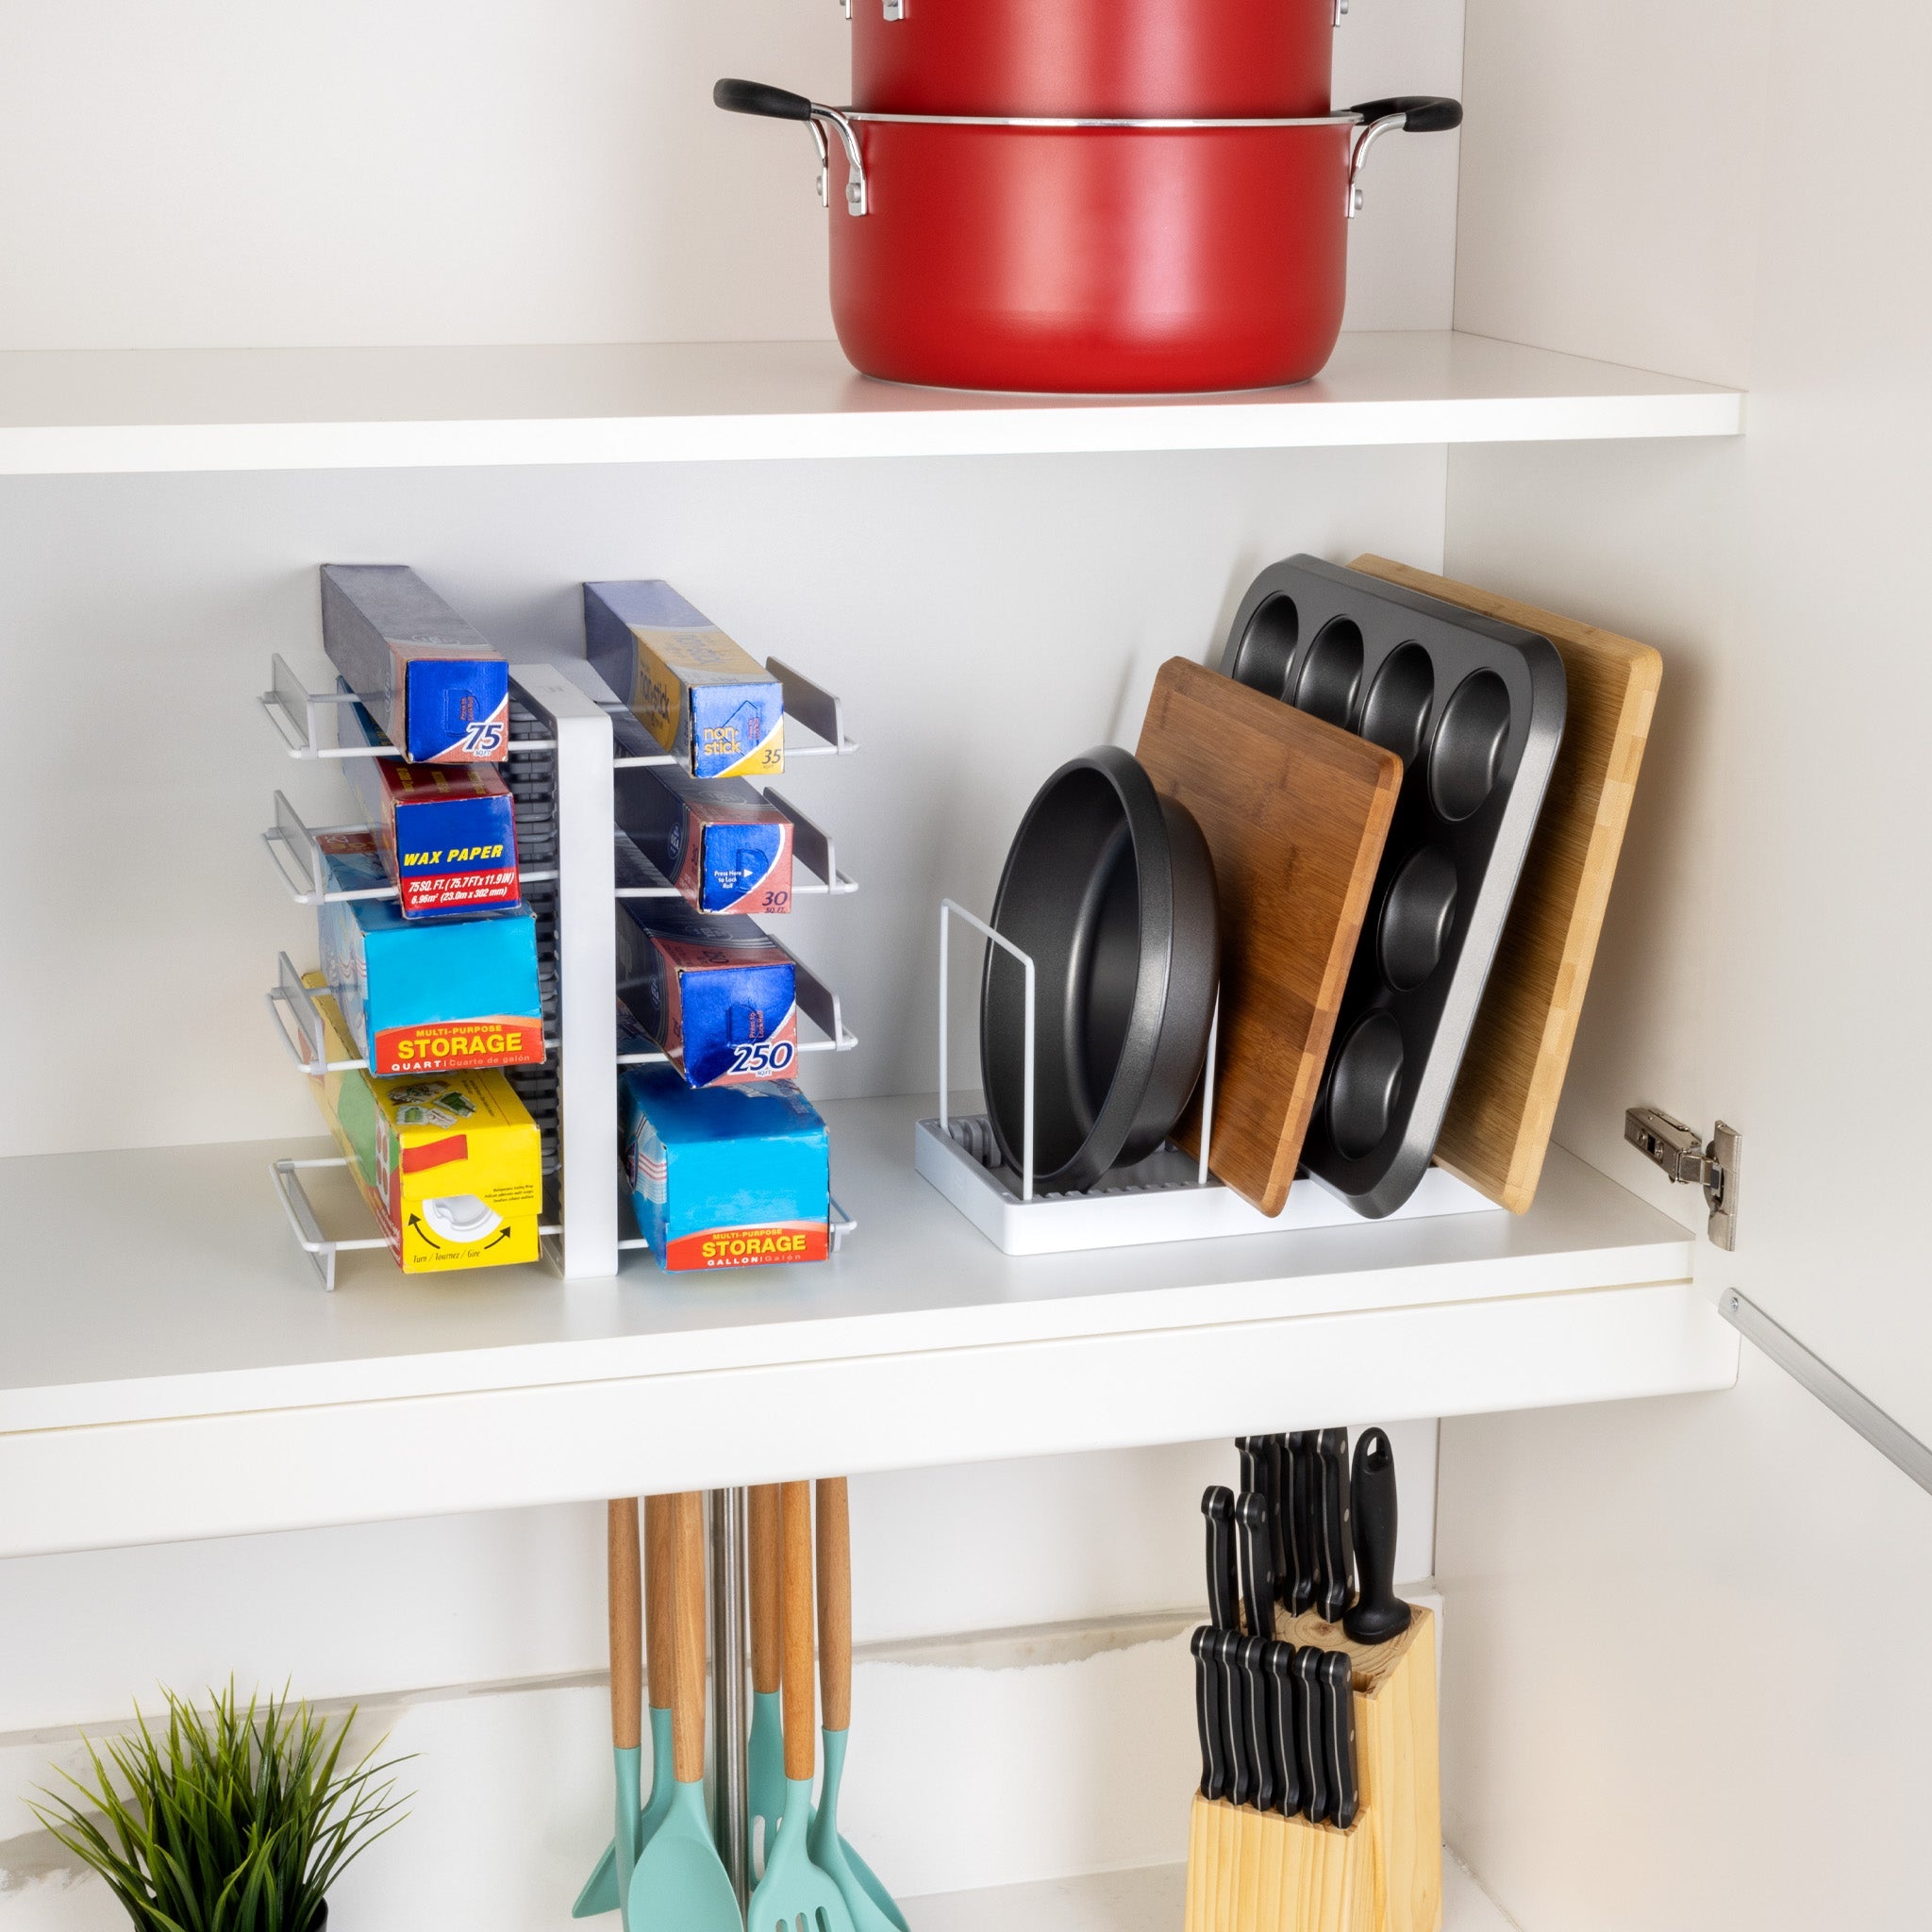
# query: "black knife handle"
1377,1614
1310,1753
1278,1664
1338,1707
1234,1683
1258,1563
1207,1712
1305,1517
1336,1556
1266,1794
1251,1449
1217,1506
1275,1469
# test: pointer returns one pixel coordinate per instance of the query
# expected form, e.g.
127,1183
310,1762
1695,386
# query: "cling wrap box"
718,997
442,995
702,697
436,689
719,840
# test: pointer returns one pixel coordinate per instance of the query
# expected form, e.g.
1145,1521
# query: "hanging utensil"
793,1887
766,1752
611,1878
866,1899
680,1884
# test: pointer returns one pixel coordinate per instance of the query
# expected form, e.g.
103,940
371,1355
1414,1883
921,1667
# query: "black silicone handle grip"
1305,1517
1310,1752
1258,1563
756,97
1338,1711
1421,114
1377,1613
1337,1564
1217,1506
1207,1714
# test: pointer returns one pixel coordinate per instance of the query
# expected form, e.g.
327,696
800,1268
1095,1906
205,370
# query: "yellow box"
451,1166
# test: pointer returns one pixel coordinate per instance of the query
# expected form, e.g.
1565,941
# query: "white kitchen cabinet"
273,300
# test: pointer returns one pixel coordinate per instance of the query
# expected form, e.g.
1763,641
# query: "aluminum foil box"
718,997
719,840
727,1177
434,685
700,696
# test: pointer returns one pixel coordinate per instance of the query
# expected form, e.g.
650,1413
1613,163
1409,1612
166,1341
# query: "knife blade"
1279,1666
1240,1784
1336,1563
1305,1515
1254,1661
1208,1714
1217,1506
1377,1613
1310,1753
1337,1709
1258,1563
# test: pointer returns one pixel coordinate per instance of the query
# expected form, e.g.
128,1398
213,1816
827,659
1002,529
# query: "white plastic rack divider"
1167,1197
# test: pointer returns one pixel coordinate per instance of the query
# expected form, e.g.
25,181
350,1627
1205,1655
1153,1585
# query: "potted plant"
228,1821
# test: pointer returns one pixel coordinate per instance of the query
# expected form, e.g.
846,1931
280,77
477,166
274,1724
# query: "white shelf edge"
190,411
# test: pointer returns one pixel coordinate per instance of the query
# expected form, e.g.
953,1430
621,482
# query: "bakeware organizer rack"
1170,1196
575,866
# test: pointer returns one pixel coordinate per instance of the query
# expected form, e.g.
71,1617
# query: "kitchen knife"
1280,1665
1267,1792
1310,1753
1217,1506
1377,1614
1214,1770
1337,1713
1304,1516
1251,1449
1275,1469
1257,1562
1335,1566
1240,1784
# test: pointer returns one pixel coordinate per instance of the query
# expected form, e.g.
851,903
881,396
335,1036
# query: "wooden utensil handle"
657,1600
688,1638
765,1656
626,1633
835,1602
796,1619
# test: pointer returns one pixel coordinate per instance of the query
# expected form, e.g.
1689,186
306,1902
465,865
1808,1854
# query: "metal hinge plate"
1684,1156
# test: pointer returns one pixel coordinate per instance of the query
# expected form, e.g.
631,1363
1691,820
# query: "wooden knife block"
1256,1872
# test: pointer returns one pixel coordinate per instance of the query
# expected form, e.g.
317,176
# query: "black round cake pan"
1109,888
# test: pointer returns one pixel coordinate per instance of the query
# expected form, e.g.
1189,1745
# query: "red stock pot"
1210,58
1121,257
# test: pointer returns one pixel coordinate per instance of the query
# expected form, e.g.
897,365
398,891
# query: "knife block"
1396,1764
1259,1872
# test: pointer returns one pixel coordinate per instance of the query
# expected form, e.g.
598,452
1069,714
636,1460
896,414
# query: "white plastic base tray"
1160,1200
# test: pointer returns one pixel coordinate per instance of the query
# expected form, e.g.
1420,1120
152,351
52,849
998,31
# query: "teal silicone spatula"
868,1901
793,1889
602,1891
766,1750
680,1884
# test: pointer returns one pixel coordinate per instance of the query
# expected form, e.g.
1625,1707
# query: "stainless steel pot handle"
1414,114
777,104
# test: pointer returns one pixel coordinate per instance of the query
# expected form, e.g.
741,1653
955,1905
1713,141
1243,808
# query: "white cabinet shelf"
358,409
172,1370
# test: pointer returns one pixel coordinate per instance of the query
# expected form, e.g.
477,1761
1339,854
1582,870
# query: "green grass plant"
228,1820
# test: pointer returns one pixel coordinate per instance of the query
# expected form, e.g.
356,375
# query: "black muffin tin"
1475,710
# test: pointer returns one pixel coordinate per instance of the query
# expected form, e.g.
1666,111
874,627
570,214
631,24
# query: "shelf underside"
192,410
174,1370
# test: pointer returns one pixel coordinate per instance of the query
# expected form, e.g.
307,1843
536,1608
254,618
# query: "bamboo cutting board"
1498,1129
1295,813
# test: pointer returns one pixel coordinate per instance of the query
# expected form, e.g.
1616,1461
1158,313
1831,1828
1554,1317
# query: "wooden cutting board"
1498,1129
1295,813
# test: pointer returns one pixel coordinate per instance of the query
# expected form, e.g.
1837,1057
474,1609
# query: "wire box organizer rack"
1170,1196
575,865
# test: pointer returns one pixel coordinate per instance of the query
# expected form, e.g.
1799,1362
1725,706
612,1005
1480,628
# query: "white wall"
218,172
1646,1721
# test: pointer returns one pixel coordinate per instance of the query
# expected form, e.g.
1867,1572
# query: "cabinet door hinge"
1683,1154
